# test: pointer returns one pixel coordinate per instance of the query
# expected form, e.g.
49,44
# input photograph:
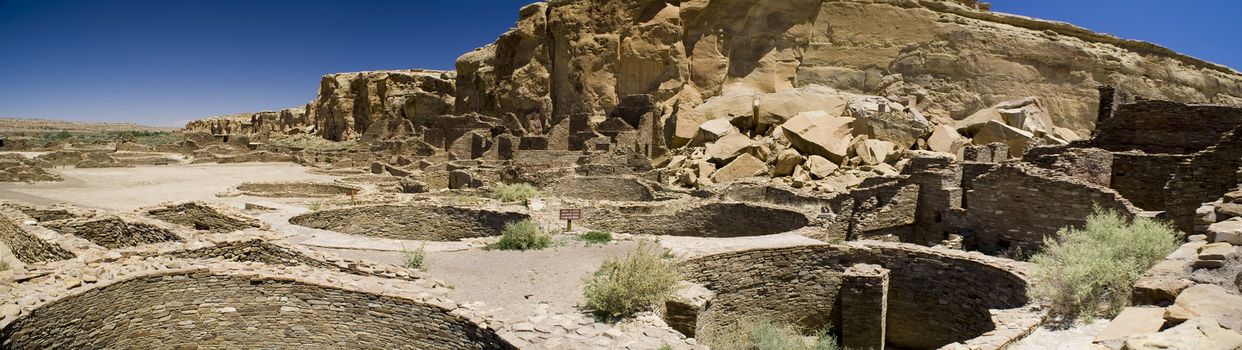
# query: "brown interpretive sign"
569,215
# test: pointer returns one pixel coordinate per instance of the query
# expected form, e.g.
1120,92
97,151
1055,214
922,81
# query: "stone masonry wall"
27,247
432,223
1141,177
1166,127
1204,178
711,220
205,310
113,233
936,297
1017,206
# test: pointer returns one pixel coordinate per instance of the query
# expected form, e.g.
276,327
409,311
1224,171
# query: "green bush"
764,334
636,283
1090,272
514,192
414,259
4,265
523,235
598,237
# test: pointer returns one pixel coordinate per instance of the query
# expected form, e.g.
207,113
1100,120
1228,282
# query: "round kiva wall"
709,220
212,311
935,297
411,222
295,189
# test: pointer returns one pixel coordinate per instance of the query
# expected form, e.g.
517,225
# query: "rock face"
665,68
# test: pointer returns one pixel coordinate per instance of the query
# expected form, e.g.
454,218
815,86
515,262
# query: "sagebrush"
523,235
765,334
415,258
1090,272
597,237
519,192
636,283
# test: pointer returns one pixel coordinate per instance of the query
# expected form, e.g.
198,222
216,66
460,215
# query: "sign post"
569,215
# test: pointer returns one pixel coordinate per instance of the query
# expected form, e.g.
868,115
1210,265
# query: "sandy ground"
1076,338
127,189
513,283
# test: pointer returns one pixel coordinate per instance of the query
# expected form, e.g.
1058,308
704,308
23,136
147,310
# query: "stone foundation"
411,222
203,217
113,232
708,220
295,189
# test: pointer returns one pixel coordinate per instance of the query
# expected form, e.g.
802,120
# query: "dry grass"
764,334
515,192
415,259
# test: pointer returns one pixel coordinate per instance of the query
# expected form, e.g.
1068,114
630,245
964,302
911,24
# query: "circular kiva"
711,220
295,189
934,297
211,310
411,222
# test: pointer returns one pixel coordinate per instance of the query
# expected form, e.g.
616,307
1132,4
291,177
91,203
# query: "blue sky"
163,62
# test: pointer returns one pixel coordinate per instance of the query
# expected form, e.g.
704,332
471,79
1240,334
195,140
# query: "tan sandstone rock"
787,161
743,167
1214,302
1229,231
945,139
993,131
875,152
818,133
1202,333
819,167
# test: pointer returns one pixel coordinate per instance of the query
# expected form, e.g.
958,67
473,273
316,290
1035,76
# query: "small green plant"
515,192
315,206
1090,272
523,235
415,259
4,265
636,283
665,347
596,237
765,334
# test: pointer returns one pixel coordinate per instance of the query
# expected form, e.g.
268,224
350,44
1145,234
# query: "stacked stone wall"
602,188
114,233
936,297
723,219
1141,177
1166,127
1203,178
206,310
1016,206
27,247
433,223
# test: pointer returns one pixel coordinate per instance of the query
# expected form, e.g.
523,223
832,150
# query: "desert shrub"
764,334
598,237
414,259
1090,272
514,192
665,347
523,235
4,265
636,283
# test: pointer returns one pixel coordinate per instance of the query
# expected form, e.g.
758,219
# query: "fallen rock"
1228,231
729,147
874,151
879,118
776,109
1213,301
1216,251
818,133
682,310
786,161
1202,333
945,139
820,167
993,131
1234,197
743,167
1027,114
714,129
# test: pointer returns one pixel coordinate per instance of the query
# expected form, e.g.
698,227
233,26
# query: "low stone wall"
936,297
602,188
203,217
295,189
27,247
722,219
1166,127
1017,206
1141,177
411,222
216,309
113,232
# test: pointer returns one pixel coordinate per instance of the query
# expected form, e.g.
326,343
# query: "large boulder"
775,109
819,133
1027,114
874,152
743,167
945,139
879,118
819,167
787,161
992,132
729,147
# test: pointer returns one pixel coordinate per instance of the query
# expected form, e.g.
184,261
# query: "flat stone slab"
1206,300
1131,321
1228,231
